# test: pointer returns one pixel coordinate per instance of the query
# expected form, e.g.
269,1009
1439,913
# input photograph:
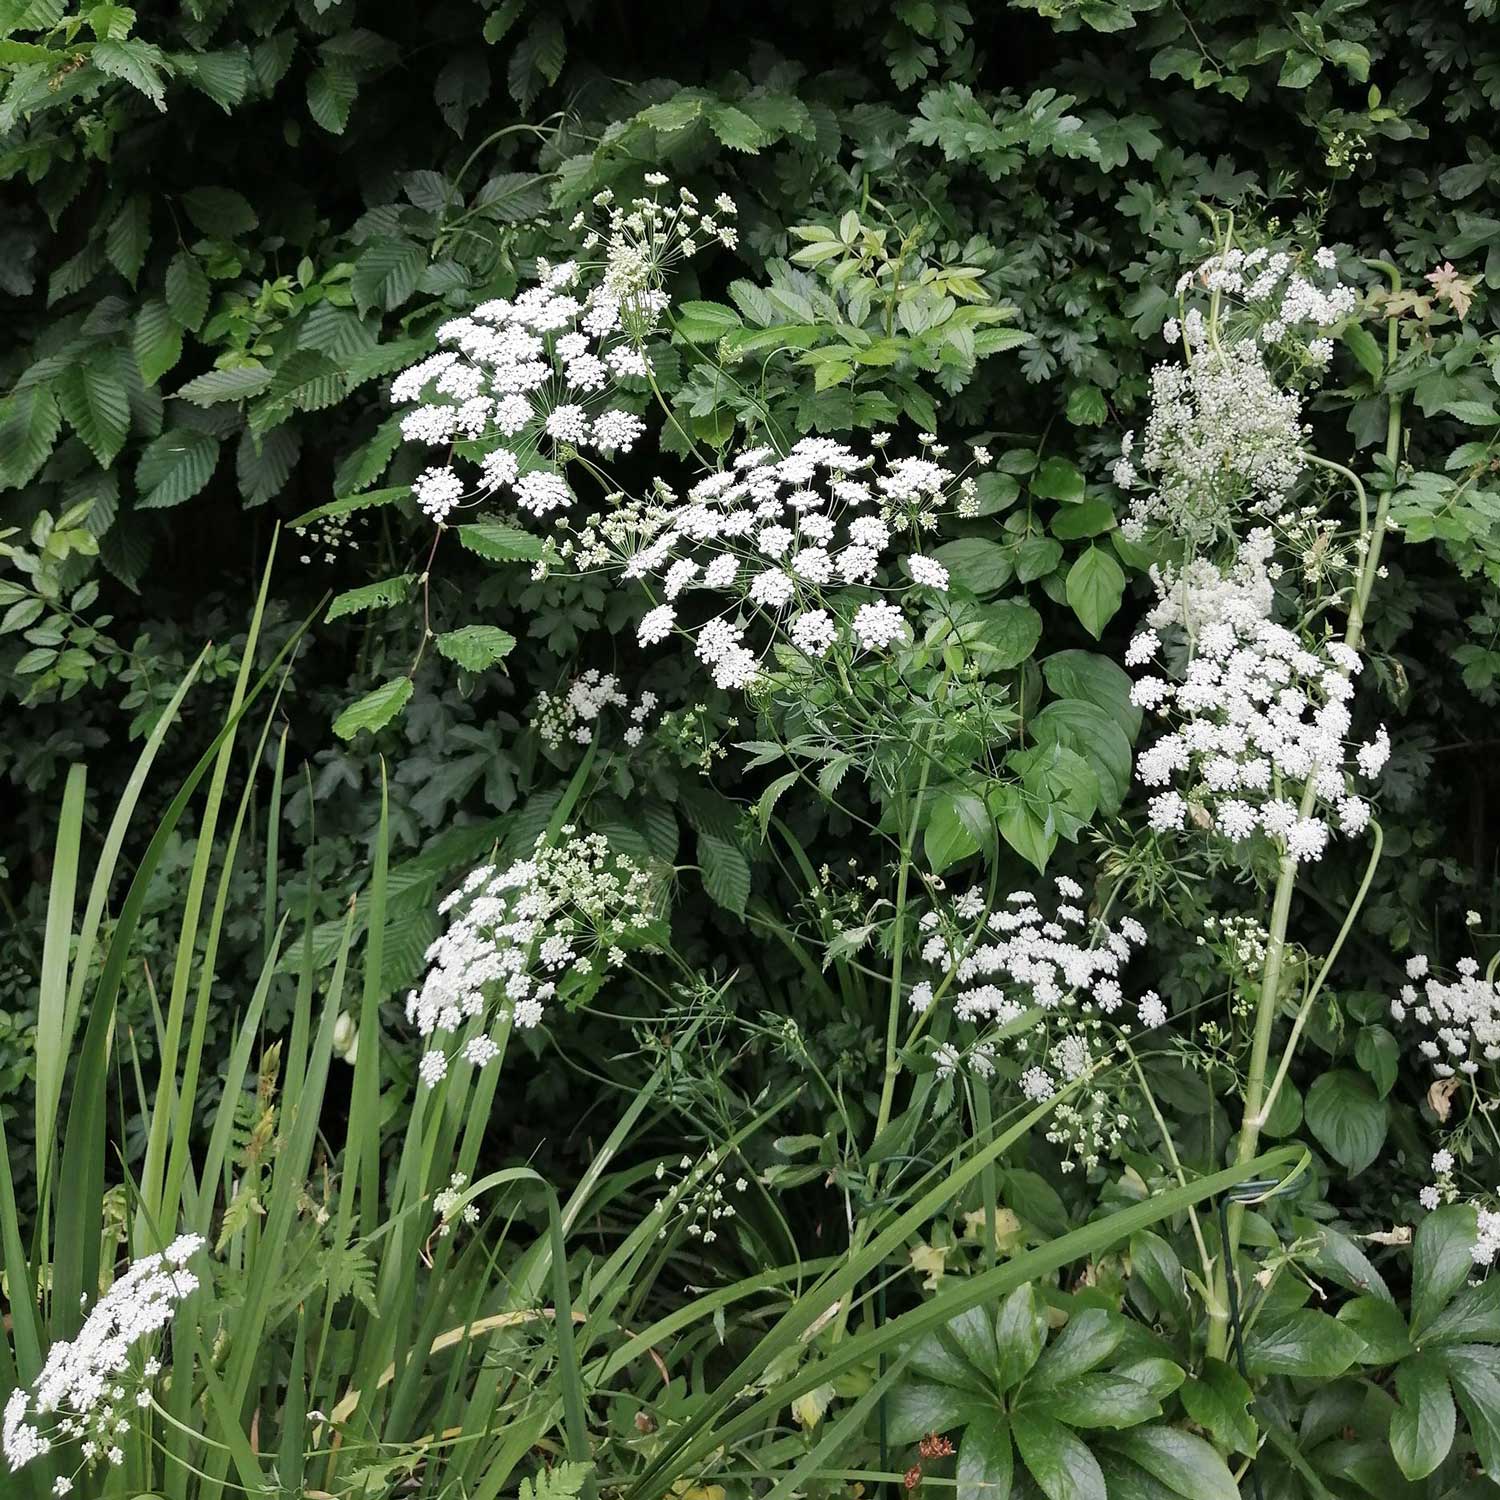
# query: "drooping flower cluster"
1258,715
1461,1018
800,551
1225,434
89,1384
576,714
567,913
995,967
523,384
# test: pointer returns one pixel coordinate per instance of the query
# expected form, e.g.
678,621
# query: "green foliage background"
226,223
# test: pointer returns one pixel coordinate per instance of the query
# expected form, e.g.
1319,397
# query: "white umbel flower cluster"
800,550
91,1383
566,914
997,965
1460,1017
1225,434
575,714
1257,714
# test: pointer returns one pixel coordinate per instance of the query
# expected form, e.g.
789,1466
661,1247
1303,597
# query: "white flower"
437,491
812,632
927,572
656,624
877,625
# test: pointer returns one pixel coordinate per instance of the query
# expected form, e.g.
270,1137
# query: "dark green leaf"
1347,1117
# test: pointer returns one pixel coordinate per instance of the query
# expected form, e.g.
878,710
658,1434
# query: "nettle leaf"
1095,587
476,647
96,401
175,467
156,340
1347,1117
381,595
726,873
375,710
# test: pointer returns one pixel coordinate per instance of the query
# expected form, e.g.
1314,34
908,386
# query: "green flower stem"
1258,1099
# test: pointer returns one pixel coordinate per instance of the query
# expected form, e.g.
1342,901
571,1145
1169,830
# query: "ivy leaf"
1094,589
156,340
476,647
726,873
175,467
96,402
375,710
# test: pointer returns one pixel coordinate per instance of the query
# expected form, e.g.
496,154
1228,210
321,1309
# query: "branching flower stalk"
1259,1099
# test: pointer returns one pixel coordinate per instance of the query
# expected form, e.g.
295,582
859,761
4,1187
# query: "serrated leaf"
476,647
766,804
511,197
187,290
96,402
381,595
331,92
29,424
375,710
262,466
156,340
134,62
225,385
220,212
500,543
128,236
735,128
174,467
726,873
385,275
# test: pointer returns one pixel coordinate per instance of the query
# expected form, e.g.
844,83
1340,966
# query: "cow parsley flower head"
575,714
521,385
562,917
1256,717
816,551
1456,1021
1224,437
90,1384
997,966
